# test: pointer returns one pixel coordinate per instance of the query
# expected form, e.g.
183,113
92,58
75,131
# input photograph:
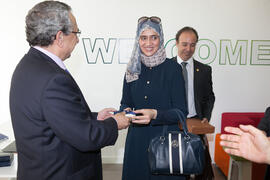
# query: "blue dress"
162,88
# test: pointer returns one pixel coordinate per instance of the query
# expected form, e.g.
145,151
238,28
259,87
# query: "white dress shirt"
55,58
190,93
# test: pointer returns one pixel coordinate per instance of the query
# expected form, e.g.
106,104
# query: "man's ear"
59,38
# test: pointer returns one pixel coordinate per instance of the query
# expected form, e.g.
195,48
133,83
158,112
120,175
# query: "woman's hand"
128,109
146,117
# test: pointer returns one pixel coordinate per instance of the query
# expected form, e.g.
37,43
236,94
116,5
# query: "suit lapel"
196,78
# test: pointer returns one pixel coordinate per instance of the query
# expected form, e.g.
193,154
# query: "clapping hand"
247,142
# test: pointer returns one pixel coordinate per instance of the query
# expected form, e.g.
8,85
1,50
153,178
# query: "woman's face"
149,42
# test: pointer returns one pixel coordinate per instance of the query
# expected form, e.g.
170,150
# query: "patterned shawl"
134,66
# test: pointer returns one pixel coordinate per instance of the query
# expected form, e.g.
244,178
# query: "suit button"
148,82
145,97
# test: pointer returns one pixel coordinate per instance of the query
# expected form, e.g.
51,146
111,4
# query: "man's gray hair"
44,20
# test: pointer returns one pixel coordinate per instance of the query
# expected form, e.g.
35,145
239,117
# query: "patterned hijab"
137,57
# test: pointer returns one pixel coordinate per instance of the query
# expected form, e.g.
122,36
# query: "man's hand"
105,113
204,120
122,121
146,117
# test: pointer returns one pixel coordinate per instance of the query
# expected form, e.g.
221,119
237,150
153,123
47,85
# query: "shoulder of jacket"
172,63
202,65
267,110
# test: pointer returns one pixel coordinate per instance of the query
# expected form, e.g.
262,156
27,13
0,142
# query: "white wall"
238,86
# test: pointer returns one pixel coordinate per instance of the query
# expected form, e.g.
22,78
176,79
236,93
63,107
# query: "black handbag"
176,152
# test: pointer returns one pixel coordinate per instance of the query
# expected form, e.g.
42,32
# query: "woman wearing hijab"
153,85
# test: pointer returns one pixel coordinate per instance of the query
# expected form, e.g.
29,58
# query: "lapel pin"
197,70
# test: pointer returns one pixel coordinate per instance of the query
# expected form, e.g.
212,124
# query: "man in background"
56,134
198,83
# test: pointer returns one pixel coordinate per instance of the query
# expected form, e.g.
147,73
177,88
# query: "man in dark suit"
264,125
56,134
198,83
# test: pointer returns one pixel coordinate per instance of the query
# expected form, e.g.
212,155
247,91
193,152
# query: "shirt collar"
55,58
189,61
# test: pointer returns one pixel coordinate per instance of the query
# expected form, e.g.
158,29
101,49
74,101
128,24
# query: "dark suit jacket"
265,126
56,134
203,91
265,122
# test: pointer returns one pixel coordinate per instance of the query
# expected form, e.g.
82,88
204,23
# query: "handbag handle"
182,120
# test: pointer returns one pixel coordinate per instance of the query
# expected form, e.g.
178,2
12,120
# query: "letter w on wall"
99,50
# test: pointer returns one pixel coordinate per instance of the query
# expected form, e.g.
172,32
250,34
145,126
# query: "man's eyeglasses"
78,33
154,19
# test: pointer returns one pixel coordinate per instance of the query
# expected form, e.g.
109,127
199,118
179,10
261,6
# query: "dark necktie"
185,75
